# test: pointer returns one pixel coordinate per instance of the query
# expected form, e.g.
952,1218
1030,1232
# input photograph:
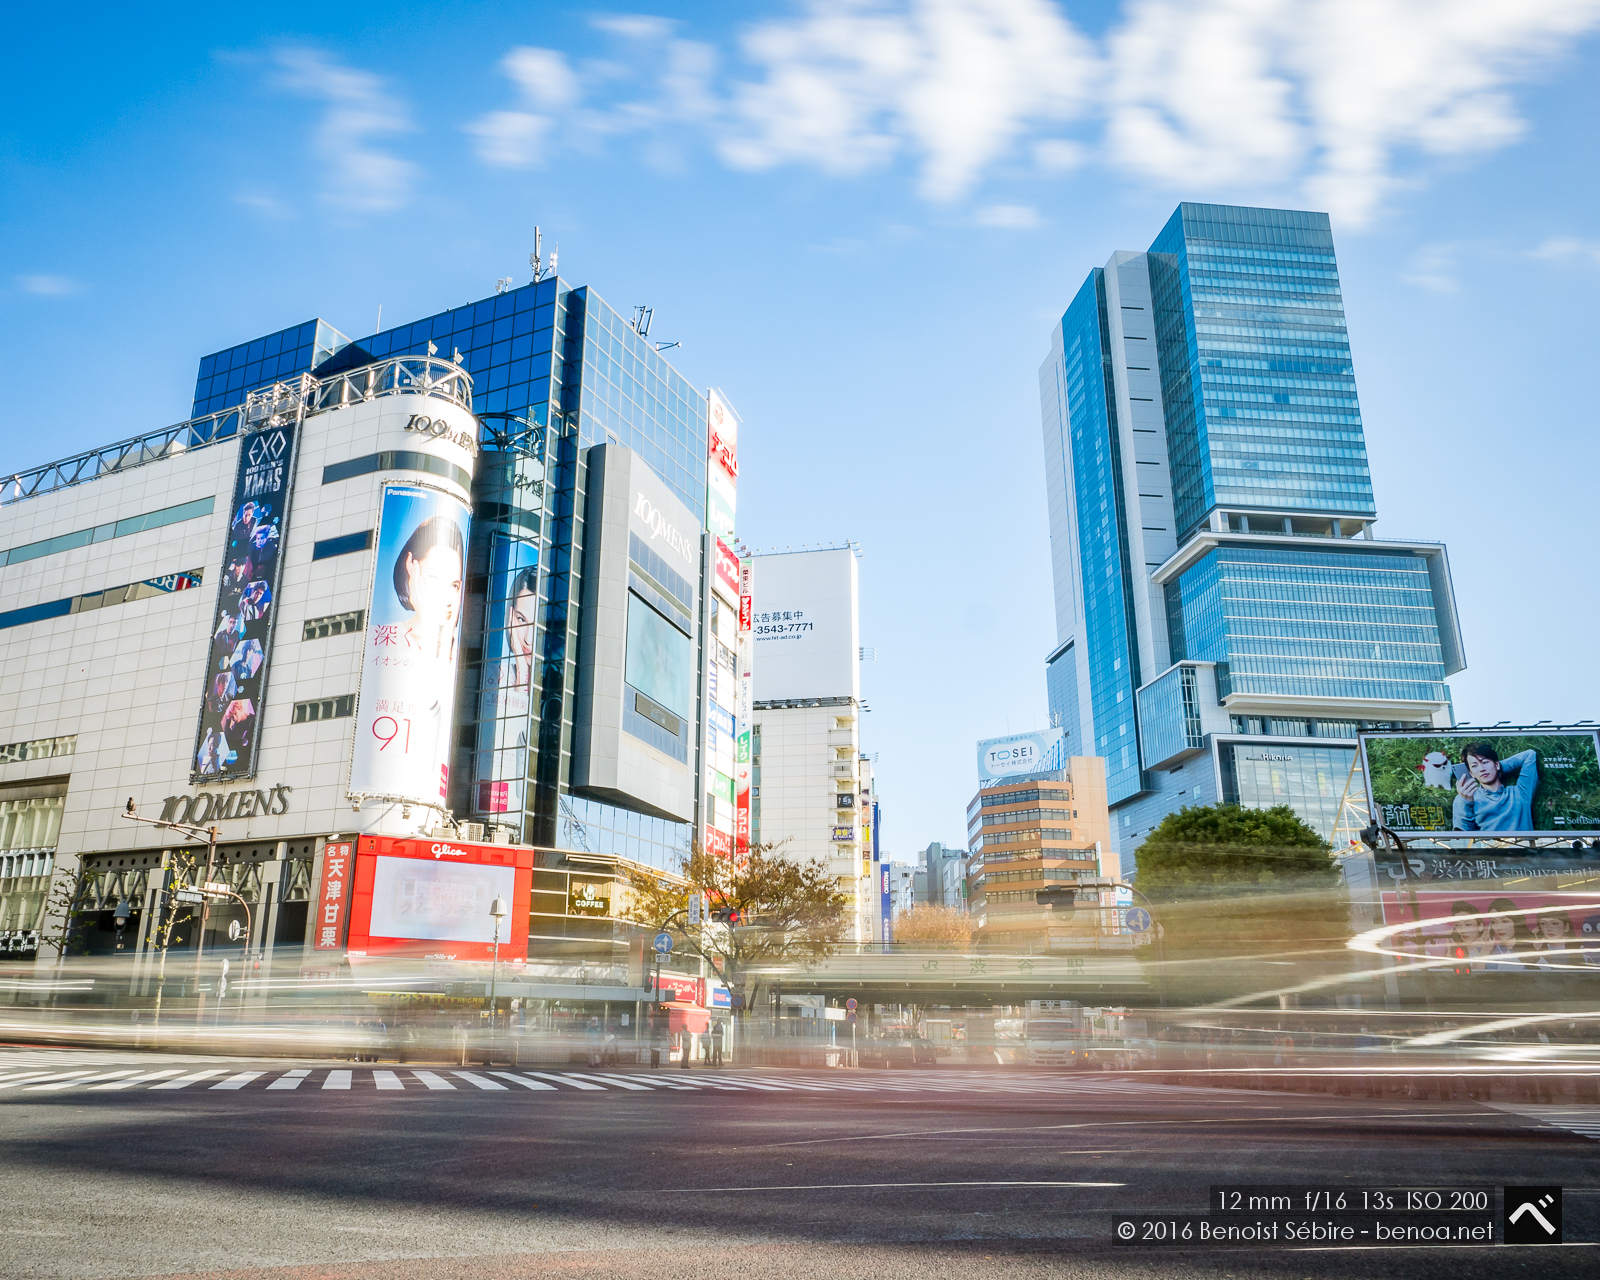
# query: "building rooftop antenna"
542,270
642,315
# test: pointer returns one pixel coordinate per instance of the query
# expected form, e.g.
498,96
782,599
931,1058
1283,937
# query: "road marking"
433,1081
290,1079
387,1080
32,1076
76,1080
237,1080
336,1080
479,1081
665,1082
1581,1120
523,1080
871,1186
619,1081
144,1079
61,1080
576,1084
183,1082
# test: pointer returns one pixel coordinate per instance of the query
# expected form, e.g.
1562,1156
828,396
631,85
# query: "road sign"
850,1004
663,942
696,905
191,896
216,887
1138,919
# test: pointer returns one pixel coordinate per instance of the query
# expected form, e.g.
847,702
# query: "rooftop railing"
401,375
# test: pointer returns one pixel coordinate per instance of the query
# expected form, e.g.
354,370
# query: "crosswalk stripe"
387,1080
336,1080
30,1076
481,1082
76,1080
432,1080
146,1078
666,1082
576,1084
620,1082
183,1082
237,1080
523,1080
61,1079
290,1079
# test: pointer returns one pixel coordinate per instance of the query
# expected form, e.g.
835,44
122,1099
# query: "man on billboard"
408,680
1494,794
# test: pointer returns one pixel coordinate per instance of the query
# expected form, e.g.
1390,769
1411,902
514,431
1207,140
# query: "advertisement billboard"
1020,754
743,710
1507,783
726,581
807,626
1497,930
722,465
432,897
408,675
240,651
333,895
501,768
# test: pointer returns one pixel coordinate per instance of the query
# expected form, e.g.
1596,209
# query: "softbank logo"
653,519
446,851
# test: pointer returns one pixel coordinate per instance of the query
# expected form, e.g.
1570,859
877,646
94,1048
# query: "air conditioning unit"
472,831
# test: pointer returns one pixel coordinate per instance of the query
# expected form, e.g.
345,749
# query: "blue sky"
861,221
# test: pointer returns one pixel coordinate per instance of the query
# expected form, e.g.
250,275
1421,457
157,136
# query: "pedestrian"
658,1041
717,1033
688,1048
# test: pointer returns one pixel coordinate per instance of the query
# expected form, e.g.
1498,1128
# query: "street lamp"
499,911
194,832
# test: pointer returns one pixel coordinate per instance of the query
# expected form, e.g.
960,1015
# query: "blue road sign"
663,942
1138,919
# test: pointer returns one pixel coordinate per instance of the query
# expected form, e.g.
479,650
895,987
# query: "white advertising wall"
416,898
807,626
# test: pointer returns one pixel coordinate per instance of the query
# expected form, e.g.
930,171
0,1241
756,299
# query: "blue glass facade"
1274,578
1097,496
558,360
1313,624
1061,687
1255,365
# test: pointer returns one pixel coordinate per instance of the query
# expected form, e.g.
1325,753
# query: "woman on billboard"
408,681
1495,794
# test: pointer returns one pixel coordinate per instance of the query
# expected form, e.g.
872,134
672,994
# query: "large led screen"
660,658
437,900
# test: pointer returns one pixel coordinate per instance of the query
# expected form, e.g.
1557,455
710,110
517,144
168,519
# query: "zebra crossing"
30,1077
1581,1120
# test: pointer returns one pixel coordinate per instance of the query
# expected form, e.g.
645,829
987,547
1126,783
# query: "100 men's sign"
215,806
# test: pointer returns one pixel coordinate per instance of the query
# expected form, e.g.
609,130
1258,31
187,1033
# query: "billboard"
432,898
1508,783
807,627
1496,930
1019,754
240,649
722,465
408,675
505,695
742,764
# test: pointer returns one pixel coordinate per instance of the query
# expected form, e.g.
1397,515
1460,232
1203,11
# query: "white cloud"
1337,99
1009,217
1332,104
268,206
357,174
49,286
1569,249
1433,267
954,82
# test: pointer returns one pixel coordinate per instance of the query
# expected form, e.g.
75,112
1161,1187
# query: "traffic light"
726,915
1056,897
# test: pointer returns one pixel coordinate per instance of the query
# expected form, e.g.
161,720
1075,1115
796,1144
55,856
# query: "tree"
788,910
934,928
1245,900
1223,848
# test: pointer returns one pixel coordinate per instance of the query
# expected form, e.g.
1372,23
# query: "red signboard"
719,843
741,822
494,797
727,570
431,899
333,895
672,988
746,613
724,451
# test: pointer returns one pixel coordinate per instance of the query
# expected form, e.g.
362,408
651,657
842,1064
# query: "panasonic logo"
655,520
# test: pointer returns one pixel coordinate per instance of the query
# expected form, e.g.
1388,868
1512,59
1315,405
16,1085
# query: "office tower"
1226,619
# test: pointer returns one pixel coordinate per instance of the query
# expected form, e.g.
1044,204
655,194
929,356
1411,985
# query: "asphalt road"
927,1174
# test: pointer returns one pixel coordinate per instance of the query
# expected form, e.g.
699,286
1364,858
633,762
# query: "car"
897,1049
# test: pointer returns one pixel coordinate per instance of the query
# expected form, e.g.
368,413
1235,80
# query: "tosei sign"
1019,754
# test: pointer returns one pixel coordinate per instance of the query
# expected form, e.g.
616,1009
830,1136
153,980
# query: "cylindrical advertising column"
408,678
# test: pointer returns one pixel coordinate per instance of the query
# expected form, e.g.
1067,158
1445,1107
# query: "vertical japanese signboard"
742,763
408,677
240,648
722,465
333,896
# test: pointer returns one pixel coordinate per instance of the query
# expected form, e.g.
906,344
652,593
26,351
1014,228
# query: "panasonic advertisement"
638,683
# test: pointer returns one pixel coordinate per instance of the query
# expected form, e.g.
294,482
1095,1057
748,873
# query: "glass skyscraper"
555,371
1226,621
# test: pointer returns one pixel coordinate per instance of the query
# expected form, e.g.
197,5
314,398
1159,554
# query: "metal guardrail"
408,375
